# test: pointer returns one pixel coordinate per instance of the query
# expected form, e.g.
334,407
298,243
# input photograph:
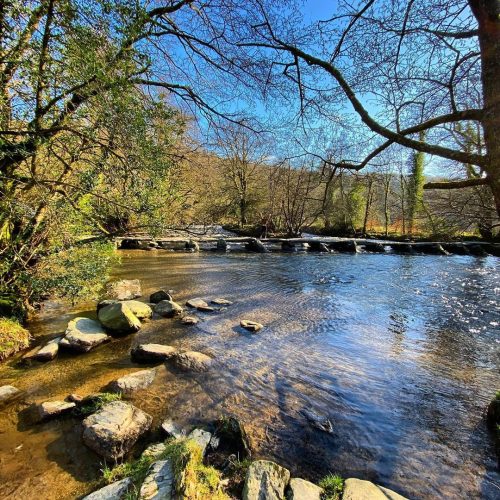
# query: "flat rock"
53,409
196,303
119,318
8,393
189,320
357,489
160,295
168,309
139,309
124,289
114,429
265,480
48,352
219,301
300,489
171,429
192,361
201,438
152,353
159,483
83,334
251,326
113,491
206,309
133,382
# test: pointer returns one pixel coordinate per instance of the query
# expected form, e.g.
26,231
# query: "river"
401,353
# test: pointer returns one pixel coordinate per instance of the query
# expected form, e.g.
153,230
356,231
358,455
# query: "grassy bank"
13,337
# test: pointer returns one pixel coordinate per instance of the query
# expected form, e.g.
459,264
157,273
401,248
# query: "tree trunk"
487,13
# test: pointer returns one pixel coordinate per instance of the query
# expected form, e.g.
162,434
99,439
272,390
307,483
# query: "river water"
401,353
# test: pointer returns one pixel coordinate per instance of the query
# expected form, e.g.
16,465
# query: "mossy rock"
13,337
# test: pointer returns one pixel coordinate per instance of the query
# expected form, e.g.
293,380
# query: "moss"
96,402
333,486
13,337
196,481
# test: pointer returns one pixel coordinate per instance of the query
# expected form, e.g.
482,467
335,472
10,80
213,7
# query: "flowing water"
401,353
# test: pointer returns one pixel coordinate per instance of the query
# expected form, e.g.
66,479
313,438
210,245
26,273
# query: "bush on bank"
13,337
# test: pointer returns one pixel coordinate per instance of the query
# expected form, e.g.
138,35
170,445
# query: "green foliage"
416,186
97,401
333,486
75,273
13,337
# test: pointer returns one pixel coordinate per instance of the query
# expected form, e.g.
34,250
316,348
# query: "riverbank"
328,345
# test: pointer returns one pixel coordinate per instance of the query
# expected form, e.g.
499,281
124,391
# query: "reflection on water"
401,353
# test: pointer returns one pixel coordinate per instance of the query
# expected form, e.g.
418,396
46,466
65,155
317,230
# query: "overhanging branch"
483,181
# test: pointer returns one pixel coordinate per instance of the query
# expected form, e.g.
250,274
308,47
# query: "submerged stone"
133,382
124,289
152,353
219,301
251,326
193,361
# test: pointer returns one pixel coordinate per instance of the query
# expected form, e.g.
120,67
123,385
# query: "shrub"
13,337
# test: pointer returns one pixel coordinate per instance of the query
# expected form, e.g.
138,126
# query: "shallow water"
402,353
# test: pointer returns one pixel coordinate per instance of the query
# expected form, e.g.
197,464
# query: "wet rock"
318,246
154,450
49,351
123,289
251,326
114,429
105,302
52,409
403,248
374,247
431,249
8,393
83,334
152,353
139,309
477,250
193,361
160,295
255,245
119,318
206,309
493,413
265,480
201,438
345,246
232,438
192,246
159,483
195,303
456,248
222,245
168,309
219,301
321,422
300,489
113,491
357,489
171,429
189,320
288,246
75,398
133,382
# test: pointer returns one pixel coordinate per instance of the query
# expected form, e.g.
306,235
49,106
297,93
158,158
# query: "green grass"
13,337
97,402
333,486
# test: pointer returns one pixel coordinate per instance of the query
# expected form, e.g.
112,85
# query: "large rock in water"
159,483
196,302
168,309
113,491
113,430
123,289
139,309
8,393
160,295
265,480
49,351
357,489
193,361
83,334
133,382
300,489
152,353
119,318
52,409
255,245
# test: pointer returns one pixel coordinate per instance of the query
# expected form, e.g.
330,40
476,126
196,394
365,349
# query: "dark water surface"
402,353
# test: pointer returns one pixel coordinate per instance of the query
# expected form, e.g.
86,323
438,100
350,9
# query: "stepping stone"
152,353
83,334
168,309
52,409
49,351
221,302
133,382
113,491
8,393
160,295
206,309
189,320
196,303
251,326
193,361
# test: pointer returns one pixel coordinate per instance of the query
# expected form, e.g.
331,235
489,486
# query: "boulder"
196,303
219,301
8,393
171,429
152,353
113,491
232,438
288,246
124,289
119,318
300,489
201,438
105,302
255,245
159,483
222,245
374,247
193,361
160,295
114,429
251,326
52,409
318,246
357,489
403,248
189,320
265,480
139,309
346,246
83,334
168,309
133,382
192,246
49,351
